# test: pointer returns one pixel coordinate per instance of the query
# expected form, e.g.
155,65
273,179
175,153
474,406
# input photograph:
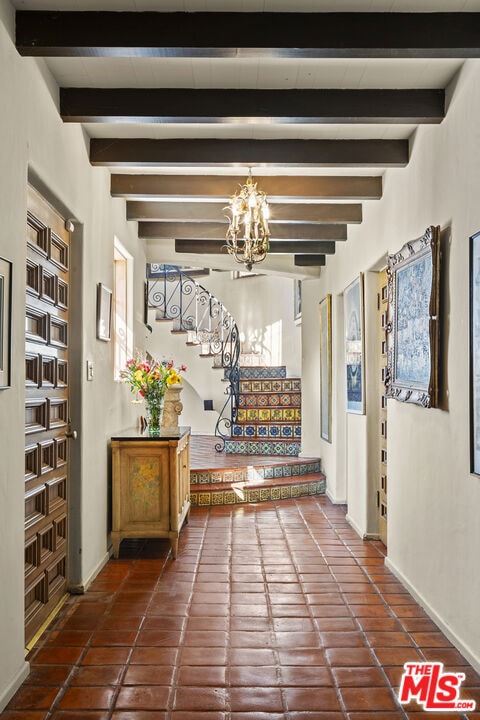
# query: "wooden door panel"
46,411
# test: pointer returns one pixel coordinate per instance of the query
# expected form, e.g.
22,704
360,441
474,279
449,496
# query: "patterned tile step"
246,493
269,415
271,386
260,373
256,447
270,430
289,469
270,400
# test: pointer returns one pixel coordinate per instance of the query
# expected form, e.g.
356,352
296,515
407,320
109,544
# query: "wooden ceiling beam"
211,211
142,152
221,188
248,34
218,230
173,105
309,260
216,247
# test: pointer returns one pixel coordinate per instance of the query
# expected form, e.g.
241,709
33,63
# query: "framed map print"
413,321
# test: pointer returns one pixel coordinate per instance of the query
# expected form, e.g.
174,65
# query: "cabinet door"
144,488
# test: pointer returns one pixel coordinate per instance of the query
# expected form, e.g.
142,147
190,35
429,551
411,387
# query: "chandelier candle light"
248,234
151,380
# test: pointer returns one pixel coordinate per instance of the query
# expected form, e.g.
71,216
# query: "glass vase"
154,412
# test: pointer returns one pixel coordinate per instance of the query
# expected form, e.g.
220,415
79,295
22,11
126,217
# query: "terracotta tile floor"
271,611
204,456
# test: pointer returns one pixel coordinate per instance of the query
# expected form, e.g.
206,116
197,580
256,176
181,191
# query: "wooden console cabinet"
150,485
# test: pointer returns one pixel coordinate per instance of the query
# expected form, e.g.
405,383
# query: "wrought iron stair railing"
176,296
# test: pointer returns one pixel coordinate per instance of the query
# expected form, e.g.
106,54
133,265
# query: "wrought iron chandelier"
248,234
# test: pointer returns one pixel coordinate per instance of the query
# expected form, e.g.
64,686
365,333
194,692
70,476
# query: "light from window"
122,307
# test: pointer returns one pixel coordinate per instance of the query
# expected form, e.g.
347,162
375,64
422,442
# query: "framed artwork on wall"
325,310
5,322
413,321
475,353
104,312
297,300
354,346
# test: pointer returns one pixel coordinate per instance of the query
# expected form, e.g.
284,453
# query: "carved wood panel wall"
46,411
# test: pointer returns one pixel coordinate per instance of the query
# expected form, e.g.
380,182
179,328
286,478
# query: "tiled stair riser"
255,495
270,400
254,447
270,386
269,415
267,431
268,372
229,475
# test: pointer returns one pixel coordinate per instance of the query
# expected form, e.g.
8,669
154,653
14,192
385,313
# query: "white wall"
35,144
433,500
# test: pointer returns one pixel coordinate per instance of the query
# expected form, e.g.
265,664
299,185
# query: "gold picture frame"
325,315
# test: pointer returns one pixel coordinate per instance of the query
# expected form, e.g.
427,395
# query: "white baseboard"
355,527
13,685
466,651
80,589
334,500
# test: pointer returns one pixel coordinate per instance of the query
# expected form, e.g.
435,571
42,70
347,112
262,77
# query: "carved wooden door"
46,411
382,301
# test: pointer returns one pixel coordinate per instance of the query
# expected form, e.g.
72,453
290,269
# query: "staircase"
269,413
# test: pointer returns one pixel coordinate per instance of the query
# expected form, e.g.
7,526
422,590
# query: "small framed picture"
354,346
104,312
5,322
297,301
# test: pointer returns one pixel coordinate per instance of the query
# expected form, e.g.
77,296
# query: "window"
122,306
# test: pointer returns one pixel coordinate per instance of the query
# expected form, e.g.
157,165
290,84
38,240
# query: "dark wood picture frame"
474,269
5,323
104,312
413,323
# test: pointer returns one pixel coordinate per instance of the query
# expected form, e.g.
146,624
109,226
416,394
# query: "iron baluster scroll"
176,296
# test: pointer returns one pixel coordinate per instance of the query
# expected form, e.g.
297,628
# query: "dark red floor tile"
431,639
303,657
397,656
203,656
248,676
97,675
57,655
80,715
208,610
33,697
158,638
380,624
448,655
24,714
205,638
304,676
323,699
87,698
251,656
384,715
252,716
297,640
109,638
343,639
358,677
148,675
212,675
256,699
200,698
290,611
106,656
153,656
144,697
208,623
388,639
163,623
330,611
191,715
48,674
367,698
69,637
349,657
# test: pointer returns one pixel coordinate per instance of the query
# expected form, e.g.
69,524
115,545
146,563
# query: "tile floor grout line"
127,663
347,604
172,693
275,649
313,619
